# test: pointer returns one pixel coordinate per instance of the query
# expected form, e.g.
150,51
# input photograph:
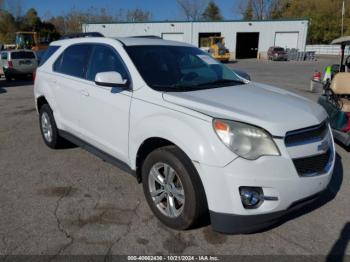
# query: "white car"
17,63
199,138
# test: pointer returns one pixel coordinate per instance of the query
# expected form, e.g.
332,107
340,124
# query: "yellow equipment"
217,49
29,40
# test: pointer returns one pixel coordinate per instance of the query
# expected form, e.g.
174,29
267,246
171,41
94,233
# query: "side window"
45,55
74,60
4,56
105,59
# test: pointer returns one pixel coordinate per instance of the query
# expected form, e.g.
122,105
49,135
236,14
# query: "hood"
276,110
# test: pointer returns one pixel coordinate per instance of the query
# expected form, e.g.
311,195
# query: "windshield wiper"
221,81
182,87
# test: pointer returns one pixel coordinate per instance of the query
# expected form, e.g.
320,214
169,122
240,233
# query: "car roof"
126,41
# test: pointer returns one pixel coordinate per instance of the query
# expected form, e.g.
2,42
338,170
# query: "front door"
105,110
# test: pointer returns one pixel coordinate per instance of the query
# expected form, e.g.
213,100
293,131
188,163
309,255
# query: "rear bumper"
241,224
14,72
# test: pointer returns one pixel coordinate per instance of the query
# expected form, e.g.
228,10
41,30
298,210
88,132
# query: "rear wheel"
8,77
173,188
49,129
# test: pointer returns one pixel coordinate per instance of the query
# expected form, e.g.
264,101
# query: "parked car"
17,63
276,53
196,135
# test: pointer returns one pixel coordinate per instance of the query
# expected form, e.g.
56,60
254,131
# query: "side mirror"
111,79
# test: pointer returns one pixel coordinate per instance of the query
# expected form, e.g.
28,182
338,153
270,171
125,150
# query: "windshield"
179,68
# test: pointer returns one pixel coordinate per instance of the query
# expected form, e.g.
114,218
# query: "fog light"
252,197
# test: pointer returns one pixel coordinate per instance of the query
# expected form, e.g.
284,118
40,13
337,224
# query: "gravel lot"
70,202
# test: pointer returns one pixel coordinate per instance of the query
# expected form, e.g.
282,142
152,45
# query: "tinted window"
22,55
4,56
279,49
43,56
105,59
179,68
74,60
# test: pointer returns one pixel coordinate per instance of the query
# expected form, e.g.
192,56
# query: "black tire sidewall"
190,212
46,109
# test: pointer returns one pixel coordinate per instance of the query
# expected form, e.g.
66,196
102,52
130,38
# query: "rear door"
69,83
24,61
105,110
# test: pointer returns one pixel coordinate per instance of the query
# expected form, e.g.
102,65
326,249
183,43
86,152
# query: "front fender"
192,135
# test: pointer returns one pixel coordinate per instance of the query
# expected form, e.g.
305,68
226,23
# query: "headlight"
247,141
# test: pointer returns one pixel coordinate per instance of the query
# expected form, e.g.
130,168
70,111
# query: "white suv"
200,139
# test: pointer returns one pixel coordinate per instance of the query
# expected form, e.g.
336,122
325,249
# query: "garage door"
287,40
173,36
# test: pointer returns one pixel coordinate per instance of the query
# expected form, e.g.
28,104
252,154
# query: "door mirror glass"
111,79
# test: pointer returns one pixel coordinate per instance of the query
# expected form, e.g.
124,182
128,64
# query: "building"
244,39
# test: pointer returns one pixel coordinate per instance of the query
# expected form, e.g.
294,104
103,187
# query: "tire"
8,77
48,128
185,182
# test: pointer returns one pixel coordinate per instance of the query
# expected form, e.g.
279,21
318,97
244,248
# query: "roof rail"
77,35
146,36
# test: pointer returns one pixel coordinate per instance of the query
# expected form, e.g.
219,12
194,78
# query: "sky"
161,9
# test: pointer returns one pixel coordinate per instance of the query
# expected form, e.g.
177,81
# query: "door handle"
84,92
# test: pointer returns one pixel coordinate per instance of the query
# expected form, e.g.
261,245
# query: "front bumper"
238,224
278,178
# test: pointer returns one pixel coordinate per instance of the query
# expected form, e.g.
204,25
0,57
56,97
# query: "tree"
278,8
14,7
192,9
324,16
138,15
212,12
248,11
256,9
8,27
2,4
31,21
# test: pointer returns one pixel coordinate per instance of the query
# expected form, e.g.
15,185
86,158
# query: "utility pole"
342,18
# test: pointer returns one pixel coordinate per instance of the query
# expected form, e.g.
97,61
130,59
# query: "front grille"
313,165
306,135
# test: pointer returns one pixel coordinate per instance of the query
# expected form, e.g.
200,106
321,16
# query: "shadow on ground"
338,250
14,83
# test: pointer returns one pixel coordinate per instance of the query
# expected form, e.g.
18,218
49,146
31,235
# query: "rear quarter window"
22,55
44,56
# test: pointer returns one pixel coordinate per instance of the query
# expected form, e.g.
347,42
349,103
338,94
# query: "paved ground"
70,202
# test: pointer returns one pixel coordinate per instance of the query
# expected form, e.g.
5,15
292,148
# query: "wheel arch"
148,146
40,101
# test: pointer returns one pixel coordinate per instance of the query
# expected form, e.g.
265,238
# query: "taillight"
9,64
34,75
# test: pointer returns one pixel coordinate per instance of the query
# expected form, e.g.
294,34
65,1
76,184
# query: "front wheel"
173,188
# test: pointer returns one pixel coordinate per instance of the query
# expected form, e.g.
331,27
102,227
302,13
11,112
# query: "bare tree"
15,7
192,9
256,9
2,4
138,15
